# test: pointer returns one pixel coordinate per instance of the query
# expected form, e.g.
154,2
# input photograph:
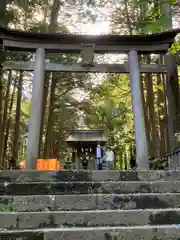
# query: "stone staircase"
97,205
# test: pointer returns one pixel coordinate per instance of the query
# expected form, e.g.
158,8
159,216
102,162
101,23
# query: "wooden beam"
24,66
99,68
76,48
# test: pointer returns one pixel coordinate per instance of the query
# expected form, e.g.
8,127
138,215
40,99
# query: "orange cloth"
44,164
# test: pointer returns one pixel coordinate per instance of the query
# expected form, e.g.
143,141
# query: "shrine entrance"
84,142
87,46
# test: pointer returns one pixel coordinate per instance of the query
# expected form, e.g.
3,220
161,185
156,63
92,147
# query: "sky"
100,26
97,28
98,23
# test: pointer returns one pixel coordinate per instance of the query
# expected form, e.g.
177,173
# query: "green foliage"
175,48
160,87
111,110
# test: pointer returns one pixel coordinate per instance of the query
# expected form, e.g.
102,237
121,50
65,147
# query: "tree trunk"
172,89
47,148
125,162
165,111
1,102
161,115
44,107
2,58
163,78
128,18
152,115
4,124
54,16
4,20
121,160
172,84
17,120
9,122
52,28
146,114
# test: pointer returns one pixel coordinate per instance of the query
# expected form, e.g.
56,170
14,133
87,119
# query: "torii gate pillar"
138,112
36,110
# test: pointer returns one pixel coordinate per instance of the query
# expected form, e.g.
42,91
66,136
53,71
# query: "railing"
169,161
158,163
174,159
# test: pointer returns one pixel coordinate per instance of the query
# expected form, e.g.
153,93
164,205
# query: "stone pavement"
90,205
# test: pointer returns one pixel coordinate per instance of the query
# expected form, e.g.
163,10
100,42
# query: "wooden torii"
133,46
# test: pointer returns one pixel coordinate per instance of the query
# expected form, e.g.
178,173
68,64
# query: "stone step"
35,220
105,175
89,202
117,187
145,232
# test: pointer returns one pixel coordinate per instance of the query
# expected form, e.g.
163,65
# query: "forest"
86,100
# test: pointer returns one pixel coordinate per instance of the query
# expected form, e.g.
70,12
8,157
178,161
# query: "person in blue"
99,154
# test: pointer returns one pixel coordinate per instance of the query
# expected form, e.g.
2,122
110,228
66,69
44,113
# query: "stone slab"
21,235
117,187
105,175
8,220
103,233
129,233
37,220
89,202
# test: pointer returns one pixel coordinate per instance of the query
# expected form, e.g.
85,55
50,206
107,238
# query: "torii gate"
41,43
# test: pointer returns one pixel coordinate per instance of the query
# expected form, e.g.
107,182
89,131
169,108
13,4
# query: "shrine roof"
164,37
87,136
